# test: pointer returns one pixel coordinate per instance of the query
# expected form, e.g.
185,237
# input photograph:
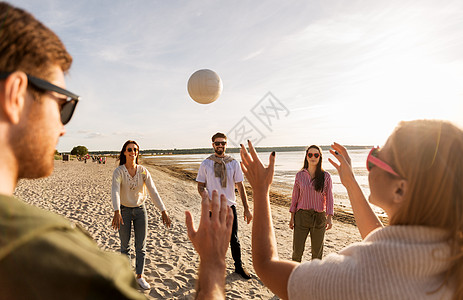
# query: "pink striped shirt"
305,196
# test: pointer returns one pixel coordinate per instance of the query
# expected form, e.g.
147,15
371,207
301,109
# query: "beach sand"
81,192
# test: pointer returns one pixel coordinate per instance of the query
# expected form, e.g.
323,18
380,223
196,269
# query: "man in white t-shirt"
222,173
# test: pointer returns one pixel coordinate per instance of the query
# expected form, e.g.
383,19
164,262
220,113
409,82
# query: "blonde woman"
417,178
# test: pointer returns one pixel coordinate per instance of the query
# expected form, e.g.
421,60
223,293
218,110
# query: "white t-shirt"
206,175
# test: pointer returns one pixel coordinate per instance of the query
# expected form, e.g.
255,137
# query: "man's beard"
33,151
219,151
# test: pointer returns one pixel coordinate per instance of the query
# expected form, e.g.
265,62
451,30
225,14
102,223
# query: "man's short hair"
29,46
218,135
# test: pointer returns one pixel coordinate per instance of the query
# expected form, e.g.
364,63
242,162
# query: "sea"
287,164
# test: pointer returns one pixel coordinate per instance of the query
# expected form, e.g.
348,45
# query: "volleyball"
204,86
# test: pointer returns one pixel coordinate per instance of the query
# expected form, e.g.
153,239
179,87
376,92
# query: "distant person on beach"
416,178
43,255
312,205
128,194
221,172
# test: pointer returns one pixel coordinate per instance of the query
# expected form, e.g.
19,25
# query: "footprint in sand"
154,273
181,278
163,268
172,284
190,271
166,244
234,294
158,293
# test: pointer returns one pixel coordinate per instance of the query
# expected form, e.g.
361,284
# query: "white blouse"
131,191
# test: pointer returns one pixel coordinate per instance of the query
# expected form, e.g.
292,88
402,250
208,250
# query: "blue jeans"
137,216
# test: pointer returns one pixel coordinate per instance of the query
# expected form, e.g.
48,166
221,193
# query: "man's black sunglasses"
67,109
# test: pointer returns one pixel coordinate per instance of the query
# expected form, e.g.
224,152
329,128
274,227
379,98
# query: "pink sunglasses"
373,160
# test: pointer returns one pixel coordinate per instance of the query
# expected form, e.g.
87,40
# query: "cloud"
94,135
253,54
128,133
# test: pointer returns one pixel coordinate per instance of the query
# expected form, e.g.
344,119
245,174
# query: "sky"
294,72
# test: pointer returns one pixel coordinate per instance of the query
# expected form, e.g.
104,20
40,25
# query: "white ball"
204,86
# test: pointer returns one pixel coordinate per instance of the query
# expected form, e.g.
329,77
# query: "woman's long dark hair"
319,180
122,159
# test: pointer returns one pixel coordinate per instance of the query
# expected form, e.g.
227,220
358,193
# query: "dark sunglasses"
313,154
373,160
220,143
134,149
66,109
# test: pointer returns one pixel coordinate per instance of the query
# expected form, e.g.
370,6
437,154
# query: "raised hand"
212,237
364,215
259,176
211,242
344,164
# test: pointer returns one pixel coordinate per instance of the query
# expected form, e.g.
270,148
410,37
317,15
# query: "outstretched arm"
365,218
156,198
273,272
211,242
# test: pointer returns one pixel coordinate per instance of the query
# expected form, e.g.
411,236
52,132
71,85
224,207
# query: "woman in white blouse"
128,194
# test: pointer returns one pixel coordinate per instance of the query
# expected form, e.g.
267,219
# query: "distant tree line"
229,150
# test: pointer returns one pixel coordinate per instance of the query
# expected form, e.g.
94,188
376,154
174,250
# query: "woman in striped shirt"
311,205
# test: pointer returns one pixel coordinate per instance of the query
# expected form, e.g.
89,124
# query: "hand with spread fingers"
211,241
344,167
259,176
365,217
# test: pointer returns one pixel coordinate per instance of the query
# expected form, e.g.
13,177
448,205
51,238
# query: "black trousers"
234,241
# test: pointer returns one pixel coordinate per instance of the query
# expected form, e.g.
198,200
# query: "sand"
81,192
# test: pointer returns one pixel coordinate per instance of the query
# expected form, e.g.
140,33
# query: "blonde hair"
429,155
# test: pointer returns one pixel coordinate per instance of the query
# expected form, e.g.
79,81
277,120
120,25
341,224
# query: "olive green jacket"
45,256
